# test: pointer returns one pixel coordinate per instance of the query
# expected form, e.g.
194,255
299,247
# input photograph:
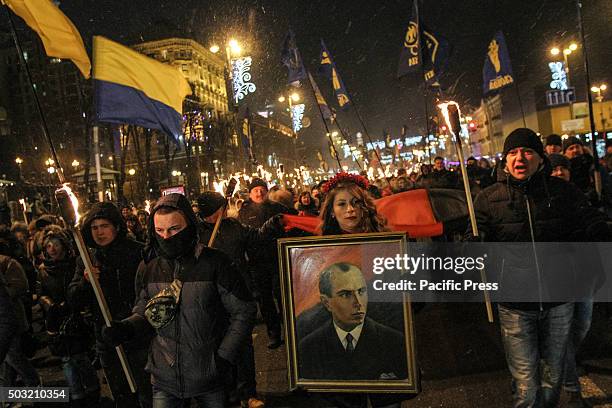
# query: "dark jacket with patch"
215,316
561,217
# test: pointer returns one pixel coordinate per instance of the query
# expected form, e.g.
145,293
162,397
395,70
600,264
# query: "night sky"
364,38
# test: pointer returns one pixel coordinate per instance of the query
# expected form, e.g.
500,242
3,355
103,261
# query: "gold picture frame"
309,325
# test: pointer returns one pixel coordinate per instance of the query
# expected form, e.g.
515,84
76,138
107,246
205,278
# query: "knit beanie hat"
559,160
209,202
257,182
523,137
571,141
553,139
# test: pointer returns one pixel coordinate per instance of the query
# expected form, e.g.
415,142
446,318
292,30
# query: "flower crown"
343,178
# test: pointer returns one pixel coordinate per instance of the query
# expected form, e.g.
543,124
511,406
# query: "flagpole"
518,96
314,95
43,121
450,110
365,130
346,138
585,59
63,200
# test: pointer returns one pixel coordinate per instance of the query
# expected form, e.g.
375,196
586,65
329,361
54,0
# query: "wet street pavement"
460,355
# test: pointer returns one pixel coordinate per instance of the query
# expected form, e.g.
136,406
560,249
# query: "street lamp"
131,172
232,49
75,163
294,97
50,165
19,160
599,91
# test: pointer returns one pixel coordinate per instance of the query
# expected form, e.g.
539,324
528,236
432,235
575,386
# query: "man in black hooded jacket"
116,259
197,305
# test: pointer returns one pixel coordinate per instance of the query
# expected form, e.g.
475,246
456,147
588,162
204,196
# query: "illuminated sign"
241,78
559,76
297,113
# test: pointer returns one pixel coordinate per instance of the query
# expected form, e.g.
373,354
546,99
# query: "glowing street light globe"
281,99
131,172
573,47
235,47
214,48
295,97
555,51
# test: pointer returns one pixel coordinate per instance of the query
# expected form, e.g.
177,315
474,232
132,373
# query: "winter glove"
119,332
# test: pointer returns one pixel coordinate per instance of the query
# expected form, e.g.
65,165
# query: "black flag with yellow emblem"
328,68
411,56
423,51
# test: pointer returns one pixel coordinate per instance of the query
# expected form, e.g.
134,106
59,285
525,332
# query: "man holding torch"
195,303
116,259
528,205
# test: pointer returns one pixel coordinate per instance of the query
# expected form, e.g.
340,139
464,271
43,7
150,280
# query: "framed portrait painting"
342,334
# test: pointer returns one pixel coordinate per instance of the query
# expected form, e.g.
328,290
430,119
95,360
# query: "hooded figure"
195,303
116,258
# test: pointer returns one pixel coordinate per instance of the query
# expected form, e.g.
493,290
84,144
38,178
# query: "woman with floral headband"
348,207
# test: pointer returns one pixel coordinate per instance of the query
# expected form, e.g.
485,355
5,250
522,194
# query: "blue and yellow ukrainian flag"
59,36
135,89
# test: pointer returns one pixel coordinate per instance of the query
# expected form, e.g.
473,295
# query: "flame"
371,173
147,206
220,186
444,109
74,200
23,204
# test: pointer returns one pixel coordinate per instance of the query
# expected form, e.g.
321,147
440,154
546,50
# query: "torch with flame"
452,114
69,209
25,210
229,191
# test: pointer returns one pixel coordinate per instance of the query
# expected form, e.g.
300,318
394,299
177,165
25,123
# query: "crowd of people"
184,282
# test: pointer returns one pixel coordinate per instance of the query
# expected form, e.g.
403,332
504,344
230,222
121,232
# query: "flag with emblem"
325,111
411,56
497,69
328,68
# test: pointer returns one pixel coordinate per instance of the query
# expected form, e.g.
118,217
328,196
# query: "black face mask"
177,245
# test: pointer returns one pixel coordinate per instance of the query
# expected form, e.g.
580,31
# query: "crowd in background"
40,268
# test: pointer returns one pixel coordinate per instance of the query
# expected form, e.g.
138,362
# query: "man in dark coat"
264,265
194,302
440,177
234,239
116,259
345,348
528,205
16,362
8,319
